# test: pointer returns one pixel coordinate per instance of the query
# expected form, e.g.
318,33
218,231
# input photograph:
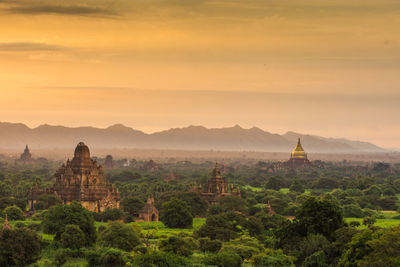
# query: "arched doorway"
153,217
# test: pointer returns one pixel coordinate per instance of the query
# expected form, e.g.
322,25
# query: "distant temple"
26,157
298,157
216,187
80,180
6,225
150,165
148,213
269,210
171,177
109,162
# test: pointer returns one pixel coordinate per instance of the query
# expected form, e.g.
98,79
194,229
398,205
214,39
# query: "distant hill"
236,138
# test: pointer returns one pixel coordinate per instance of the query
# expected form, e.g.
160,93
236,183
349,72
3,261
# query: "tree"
224,259
208,245
58,217
369,221
44,202
159,258
314,243
72,237
357,249
176,214
319,217
225,226
119,235
106,257
373,192
243,246
297,186
352,210
316,259
10,201
182,246
272,258
132,205
326,183
233,203
19,247
271,222
384,249
197,205
387,203
274,183
109,215
14,213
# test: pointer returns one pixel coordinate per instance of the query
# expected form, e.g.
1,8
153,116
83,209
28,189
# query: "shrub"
14,213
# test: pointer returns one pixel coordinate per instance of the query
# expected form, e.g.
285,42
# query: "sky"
323,67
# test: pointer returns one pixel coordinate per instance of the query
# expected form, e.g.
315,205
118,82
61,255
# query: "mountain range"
16,135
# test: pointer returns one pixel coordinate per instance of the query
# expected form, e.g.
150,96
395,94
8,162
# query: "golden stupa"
298,152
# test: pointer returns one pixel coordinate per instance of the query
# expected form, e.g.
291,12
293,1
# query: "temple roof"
81,156
216,173
298,152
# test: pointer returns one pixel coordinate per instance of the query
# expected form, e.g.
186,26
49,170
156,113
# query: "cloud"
29,46
73,8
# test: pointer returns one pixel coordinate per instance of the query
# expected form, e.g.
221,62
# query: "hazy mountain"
16,135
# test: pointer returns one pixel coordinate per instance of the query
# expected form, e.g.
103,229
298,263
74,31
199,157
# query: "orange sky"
322,67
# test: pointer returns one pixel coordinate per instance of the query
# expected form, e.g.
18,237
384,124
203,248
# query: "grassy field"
158,229
252,188
383,223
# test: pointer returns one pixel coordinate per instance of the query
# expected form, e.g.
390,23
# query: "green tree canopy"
19,247
73,237
176,214
59,216
319,216
14,213
119,235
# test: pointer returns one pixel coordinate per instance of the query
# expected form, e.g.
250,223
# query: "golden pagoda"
298,152
298,157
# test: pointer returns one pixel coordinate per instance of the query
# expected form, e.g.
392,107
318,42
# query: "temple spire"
6,225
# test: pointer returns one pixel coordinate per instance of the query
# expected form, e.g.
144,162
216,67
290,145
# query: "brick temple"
216,187
82,180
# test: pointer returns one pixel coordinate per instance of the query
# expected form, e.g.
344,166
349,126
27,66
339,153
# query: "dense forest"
330,214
